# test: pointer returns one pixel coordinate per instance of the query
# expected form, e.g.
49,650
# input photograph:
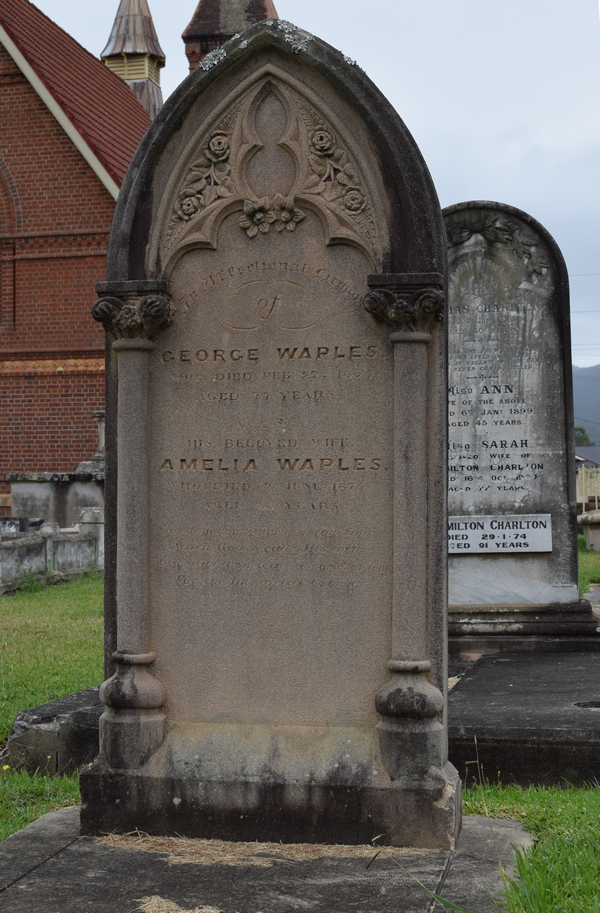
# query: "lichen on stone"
293,35
212,59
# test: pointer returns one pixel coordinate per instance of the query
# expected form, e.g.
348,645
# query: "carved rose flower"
218,148
286,215
257,217
128,321
323,142
187,207
354,200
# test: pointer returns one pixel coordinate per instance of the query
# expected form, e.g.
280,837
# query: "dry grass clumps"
157,904
180,850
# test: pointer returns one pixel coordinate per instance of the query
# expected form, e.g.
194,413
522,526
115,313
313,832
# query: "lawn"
561,874
589,567
50,646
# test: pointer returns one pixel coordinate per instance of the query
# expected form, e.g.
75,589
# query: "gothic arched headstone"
513,526
275,295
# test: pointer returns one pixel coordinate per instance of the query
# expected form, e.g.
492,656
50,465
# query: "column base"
128,738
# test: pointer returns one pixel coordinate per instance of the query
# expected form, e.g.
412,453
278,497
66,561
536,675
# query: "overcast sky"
502,97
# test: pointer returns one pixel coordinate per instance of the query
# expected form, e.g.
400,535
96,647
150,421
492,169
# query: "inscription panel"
504,436
506,403
272,482
518,533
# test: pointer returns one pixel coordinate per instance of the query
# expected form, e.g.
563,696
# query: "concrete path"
49,868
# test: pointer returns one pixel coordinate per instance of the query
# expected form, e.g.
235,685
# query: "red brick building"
69,126
68,129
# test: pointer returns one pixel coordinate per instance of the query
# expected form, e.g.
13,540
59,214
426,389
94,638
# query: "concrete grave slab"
56,738
48,867
531,720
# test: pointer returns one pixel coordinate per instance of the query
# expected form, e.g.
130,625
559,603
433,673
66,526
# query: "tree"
581,437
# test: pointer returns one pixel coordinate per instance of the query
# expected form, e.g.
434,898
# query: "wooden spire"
134,53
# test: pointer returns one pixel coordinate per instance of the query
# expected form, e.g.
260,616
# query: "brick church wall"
54,220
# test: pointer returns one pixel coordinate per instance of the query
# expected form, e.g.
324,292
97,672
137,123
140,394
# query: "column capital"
412,302
138,309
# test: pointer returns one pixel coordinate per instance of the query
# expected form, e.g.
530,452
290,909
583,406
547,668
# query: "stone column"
411,732
99,416
132,726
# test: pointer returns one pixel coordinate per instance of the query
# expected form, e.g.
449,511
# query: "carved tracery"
310,166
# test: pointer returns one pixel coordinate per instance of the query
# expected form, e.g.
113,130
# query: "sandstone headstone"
275,297
511,502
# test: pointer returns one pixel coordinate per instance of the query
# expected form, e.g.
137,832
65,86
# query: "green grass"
589,567
23,798
561,873
50,646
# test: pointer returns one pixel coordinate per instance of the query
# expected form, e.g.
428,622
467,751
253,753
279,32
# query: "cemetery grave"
276,432
512,537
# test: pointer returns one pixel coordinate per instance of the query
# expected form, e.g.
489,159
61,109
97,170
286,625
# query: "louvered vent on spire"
134,53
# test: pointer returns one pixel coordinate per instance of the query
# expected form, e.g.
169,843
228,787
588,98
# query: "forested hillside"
586,395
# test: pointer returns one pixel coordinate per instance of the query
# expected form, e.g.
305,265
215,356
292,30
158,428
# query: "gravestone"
275,298
512,536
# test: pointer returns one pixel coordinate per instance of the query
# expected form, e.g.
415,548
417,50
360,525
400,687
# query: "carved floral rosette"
506,234
218,181
406,302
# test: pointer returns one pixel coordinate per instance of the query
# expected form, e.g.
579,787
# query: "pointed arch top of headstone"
406,214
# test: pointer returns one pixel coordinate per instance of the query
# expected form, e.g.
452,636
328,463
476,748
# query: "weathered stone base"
424,815
476,631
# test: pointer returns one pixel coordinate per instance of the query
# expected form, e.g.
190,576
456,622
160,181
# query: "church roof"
96,109
228,17
133,31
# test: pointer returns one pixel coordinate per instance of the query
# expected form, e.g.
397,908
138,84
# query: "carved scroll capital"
407,301
133,309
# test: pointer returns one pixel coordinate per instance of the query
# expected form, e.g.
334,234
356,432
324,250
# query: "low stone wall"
47,554
57,497
590,523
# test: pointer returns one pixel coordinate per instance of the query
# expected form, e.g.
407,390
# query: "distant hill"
586,396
